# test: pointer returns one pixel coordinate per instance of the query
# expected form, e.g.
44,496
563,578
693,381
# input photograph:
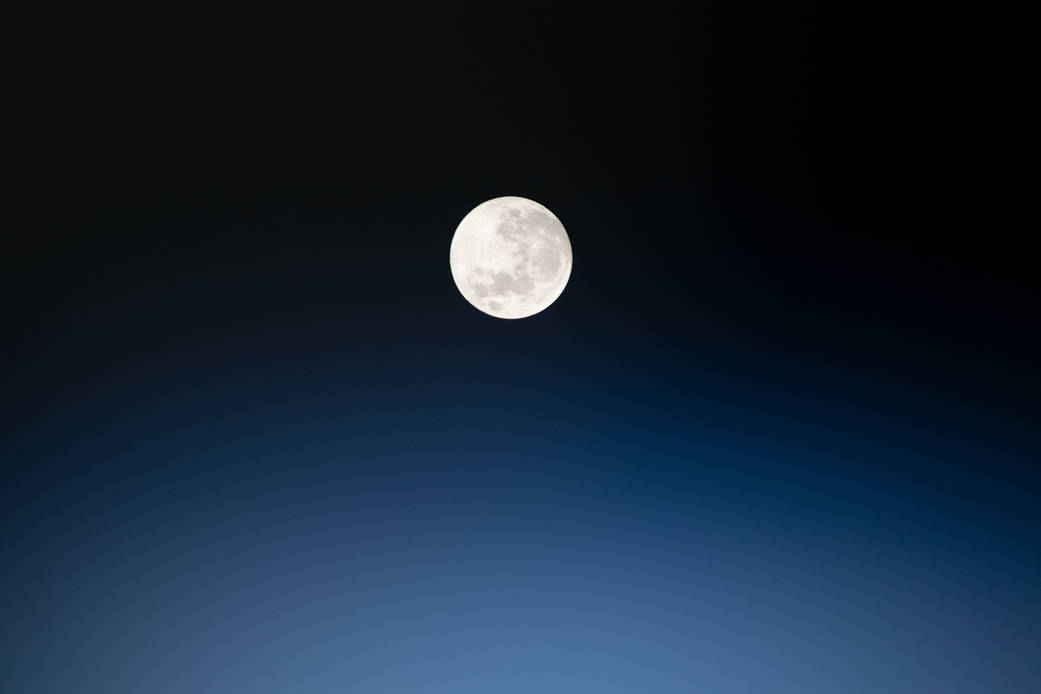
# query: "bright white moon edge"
510,257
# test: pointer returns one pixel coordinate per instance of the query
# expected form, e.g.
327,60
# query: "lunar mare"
510,257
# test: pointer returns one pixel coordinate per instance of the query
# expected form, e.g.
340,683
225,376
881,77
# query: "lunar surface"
510,257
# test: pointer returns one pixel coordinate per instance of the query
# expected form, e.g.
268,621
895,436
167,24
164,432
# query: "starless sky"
779,433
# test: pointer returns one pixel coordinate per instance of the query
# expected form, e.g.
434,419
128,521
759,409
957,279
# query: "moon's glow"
510,257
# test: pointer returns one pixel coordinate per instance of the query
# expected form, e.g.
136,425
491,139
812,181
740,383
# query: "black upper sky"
835,148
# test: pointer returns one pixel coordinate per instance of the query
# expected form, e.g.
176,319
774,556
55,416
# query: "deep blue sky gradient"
419,498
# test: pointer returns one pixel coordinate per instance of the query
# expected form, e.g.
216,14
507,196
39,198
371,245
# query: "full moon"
510,257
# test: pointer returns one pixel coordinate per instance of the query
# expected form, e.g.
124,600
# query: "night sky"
780,433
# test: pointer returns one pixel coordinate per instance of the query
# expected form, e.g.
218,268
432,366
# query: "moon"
510,257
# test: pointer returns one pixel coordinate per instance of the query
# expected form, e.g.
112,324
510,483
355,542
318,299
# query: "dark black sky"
778,433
